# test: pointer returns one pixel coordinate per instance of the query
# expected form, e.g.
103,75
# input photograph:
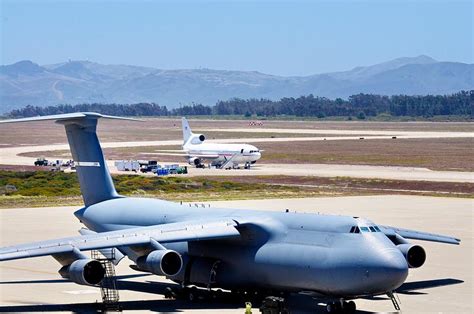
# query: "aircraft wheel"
192,295
169,293
330,308
333,308
349,307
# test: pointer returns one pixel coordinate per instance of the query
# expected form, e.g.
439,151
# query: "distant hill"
76,82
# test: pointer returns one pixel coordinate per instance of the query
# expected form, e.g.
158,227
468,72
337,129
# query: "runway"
33,285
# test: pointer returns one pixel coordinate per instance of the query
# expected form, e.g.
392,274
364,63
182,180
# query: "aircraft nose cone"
388,273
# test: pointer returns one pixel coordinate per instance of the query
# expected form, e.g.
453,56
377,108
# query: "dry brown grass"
436,154
43,133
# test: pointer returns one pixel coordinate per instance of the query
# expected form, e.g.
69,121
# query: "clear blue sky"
285,38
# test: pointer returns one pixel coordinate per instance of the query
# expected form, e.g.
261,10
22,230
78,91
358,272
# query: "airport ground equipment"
148,166
395,300
337,258
127,165
41,162
108,285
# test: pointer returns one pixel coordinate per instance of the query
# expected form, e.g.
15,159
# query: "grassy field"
43,188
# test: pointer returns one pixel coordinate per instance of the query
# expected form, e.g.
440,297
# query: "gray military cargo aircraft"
338,258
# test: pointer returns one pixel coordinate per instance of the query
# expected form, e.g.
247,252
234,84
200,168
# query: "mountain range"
27,83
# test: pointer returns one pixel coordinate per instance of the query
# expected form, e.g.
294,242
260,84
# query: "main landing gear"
269,304
274,305
194,294
341,307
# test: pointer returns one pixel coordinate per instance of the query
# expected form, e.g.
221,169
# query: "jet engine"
87,272
198,138
195,161
414,254
161,262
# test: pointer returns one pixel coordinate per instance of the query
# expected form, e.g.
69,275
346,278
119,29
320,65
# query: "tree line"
359,106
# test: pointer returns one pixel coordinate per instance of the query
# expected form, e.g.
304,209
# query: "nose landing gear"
341,307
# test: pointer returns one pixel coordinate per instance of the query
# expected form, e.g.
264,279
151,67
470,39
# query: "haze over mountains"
27,83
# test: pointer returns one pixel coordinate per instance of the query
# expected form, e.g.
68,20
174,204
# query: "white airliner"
220,155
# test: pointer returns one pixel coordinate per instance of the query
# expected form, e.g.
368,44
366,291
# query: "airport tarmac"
336,170
443,285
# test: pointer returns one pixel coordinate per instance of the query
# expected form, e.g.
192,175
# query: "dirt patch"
23,168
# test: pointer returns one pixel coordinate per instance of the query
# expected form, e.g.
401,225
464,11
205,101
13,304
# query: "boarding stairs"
395,300
108,285
228,163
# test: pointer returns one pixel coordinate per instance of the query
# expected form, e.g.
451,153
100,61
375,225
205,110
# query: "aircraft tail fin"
187,132
92,171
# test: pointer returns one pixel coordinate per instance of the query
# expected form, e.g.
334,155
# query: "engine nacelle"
87,272
195,161
161,262
198,138
414,254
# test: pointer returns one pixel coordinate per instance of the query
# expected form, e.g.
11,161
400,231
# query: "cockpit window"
354,229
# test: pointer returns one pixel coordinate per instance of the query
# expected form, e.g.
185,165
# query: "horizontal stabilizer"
68,116
94,177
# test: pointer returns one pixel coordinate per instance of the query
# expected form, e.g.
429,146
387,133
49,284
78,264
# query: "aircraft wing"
183,153
418,235
166,233
166,154
205,156
170,151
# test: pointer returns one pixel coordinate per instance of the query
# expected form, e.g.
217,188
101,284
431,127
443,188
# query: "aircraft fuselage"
277,250
240,153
